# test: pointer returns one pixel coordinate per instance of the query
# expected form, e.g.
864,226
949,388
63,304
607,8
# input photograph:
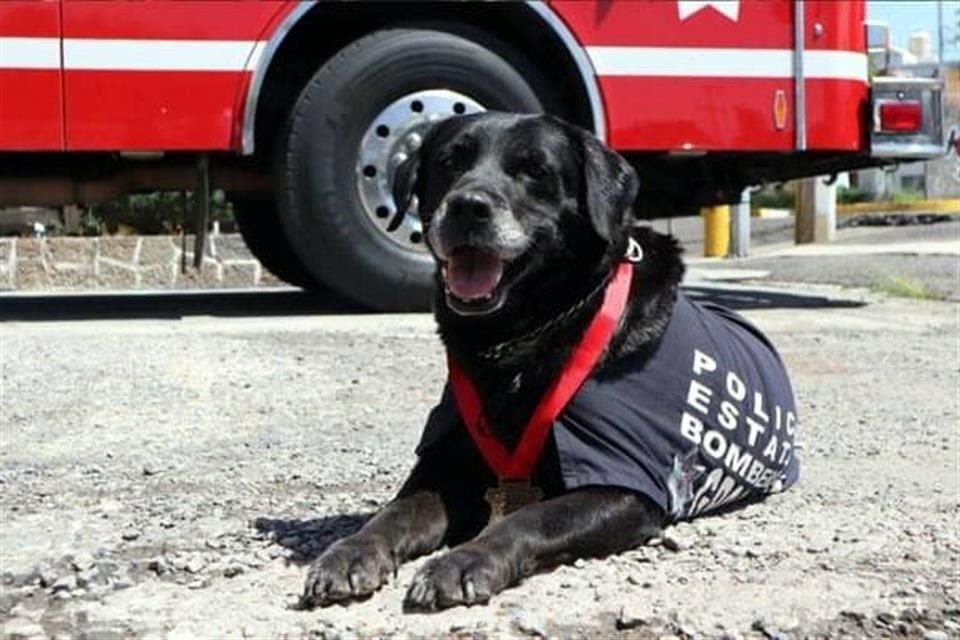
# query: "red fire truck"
300,110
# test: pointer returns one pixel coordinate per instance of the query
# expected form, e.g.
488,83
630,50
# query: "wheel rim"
395,133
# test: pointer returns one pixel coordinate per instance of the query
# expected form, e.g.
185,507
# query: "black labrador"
528,217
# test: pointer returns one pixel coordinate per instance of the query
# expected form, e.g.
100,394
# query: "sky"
906,16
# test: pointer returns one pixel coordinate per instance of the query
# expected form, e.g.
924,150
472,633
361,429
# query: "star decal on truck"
729,8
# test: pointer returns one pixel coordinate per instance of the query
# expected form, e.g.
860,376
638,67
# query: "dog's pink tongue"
473,274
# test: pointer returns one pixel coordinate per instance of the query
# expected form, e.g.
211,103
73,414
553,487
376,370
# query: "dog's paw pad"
421,596
459,578
351,569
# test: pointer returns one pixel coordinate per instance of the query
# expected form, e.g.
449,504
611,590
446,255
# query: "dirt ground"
169,477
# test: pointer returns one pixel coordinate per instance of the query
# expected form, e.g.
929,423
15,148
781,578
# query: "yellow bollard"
716,231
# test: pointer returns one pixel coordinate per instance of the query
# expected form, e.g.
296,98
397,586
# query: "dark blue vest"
707,422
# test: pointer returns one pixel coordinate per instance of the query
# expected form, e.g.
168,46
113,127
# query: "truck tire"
256,218
362,112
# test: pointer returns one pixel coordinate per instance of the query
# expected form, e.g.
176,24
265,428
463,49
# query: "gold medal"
510,495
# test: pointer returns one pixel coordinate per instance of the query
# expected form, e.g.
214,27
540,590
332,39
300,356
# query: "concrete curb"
949,206
922,248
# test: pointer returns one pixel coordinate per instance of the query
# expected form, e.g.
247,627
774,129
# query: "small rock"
199,583
641,554
266,555
672,544
626,621
912,614
935,635
233,571
159,566
121,583
887,618
530,625
767,630
290,542
854,616
83,561
46,575
87,577
130,534
150,470
580,563
64,583
17,628
195,565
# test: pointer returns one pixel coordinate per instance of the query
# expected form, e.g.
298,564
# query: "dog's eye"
449,161
458,157
536,170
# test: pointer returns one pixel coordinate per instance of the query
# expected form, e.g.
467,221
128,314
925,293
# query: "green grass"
907,196
904,287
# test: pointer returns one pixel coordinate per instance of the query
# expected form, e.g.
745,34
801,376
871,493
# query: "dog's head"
503,197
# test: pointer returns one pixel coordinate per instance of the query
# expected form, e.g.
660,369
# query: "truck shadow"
176,305
173,305
747,297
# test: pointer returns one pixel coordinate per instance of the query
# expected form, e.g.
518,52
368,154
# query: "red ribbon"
519,465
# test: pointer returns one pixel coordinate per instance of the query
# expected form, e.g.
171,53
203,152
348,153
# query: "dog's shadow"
307,539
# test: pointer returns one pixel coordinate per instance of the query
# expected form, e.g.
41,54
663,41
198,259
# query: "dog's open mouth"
473,278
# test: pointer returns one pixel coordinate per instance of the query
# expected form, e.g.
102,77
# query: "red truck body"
678,75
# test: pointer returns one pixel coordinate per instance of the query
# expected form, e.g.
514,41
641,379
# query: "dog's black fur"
557,206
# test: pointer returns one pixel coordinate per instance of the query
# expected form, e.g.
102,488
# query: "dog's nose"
473,204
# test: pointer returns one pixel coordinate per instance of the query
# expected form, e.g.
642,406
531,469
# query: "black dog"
669,409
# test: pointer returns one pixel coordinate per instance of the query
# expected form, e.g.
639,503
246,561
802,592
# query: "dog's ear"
405,179
608,186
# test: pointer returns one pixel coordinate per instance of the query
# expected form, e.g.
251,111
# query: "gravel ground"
170,477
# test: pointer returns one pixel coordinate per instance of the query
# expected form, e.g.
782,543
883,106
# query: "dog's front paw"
463,576
352,568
